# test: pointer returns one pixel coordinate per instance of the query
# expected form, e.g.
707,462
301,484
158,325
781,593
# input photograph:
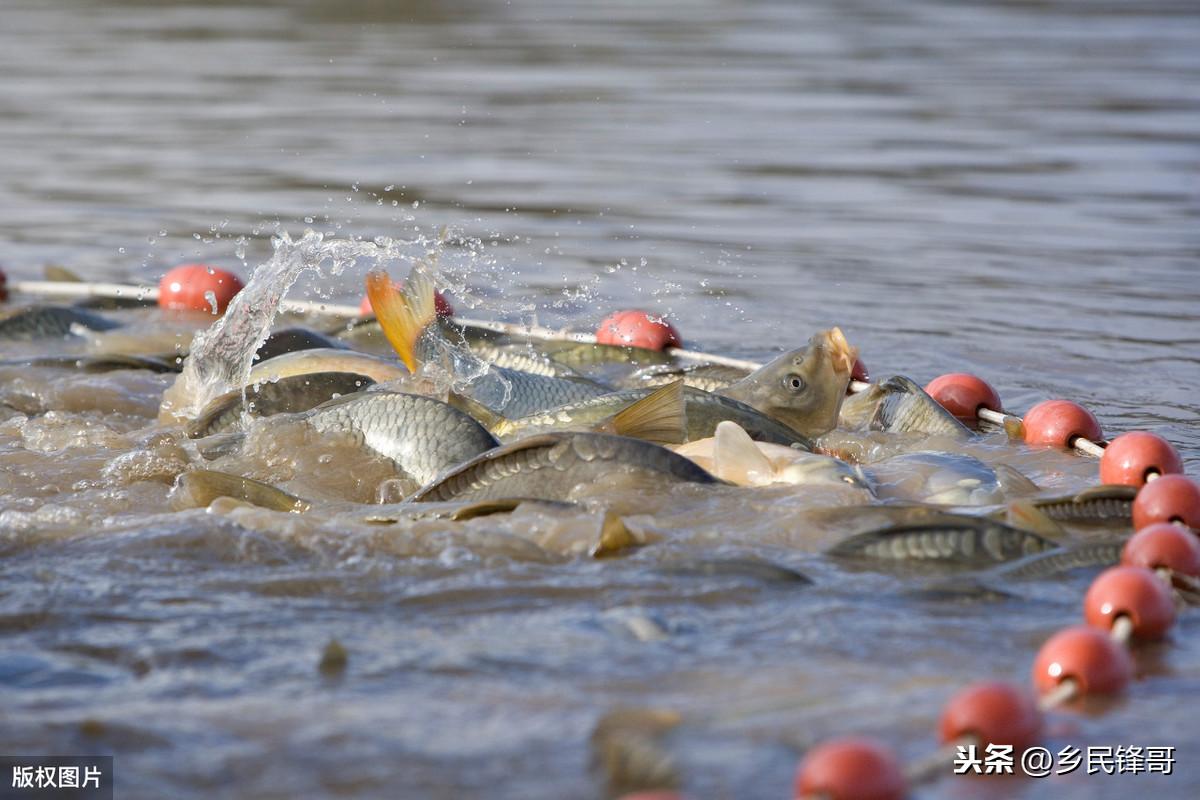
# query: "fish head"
803,388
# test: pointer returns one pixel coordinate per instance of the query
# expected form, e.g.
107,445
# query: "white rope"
1066,691
1122,630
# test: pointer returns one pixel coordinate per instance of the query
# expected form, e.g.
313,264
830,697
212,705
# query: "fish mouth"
841,353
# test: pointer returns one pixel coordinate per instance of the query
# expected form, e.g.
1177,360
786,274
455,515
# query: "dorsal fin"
404,314
659,417
736,458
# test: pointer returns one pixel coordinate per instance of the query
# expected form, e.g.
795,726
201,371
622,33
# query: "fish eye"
793,382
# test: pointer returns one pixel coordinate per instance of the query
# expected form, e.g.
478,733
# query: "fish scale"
972,541
424,436
549,466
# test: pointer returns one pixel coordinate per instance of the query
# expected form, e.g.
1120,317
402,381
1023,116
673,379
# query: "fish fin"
404,314
1014,428
219,445
1025,515
1013,481
736,458
659,417
198,488
1107,491
492,420
614,537
485,508
54,272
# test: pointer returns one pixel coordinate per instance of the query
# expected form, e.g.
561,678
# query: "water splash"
222,356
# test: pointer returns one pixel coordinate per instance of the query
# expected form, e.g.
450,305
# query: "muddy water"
1001,188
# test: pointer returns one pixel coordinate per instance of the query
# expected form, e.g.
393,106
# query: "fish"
199,488
423,436
899,405
408,319
659,416
703,411
734,456
1106,504
1088,554
551,465
290,395
323,359
804,388
756,570
952,539
524,358
952,479
707,377
95,364
51,322
583,355
290,340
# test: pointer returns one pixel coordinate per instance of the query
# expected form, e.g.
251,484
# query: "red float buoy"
1057,423
3,287
1088,656
963,395
994,713
1133,457
441,306
198,287
1163,545
654,794
851,769
1133,592
1171,498
637,329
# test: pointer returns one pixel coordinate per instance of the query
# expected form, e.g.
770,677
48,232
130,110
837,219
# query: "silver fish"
703,412
290,395
952,479
50,322
899,405
706,377
409,321
953,540
1098,505
551,465
1088,554
423,436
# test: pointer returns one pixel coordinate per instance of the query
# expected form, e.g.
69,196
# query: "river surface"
1004,188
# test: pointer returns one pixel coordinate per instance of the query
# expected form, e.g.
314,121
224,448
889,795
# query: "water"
1008,189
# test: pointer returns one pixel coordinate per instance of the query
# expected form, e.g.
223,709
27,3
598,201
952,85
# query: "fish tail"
405,313
659,417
